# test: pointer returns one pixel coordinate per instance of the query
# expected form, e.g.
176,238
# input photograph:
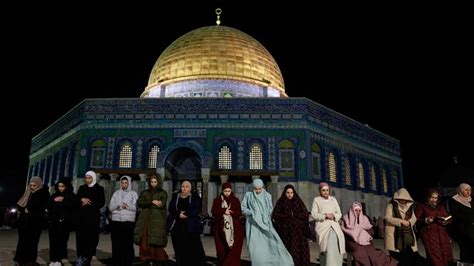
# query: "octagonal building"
214,110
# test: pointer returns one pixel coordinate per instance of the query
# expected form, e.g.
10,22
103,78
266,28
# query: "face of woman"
258,190
153,183
357,211
227,192
61,187
88,179
33,186
433,200
290,193
186,187
124,184
324,192
466,192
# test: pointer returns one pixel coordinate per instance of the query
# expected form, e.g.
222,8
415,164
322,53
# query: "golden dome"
216,52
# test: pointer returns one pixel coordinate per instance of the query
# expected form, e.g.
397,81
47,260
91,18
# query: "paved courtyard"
8,240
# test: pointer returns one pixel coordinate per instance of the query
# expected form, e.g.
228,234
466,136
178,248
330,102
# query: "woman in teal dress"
264,244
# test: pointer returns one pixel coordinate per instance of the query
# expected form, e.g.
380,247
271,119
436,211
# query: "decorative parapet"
292,113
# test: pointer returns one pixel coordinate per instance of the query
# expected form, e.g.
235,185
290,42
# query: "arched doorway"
184,163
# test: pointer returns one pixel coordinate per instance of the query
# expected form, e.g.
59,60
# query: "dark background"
403,70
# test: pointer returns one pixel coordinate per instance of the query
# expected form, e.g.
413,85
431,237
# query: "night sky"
403,70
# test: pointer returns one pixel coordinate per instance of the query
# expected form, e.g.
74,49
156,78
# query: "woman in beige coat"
400,239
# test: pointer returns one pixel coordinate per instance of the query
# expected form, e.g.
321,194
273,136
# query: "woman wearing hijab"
463,221
32,207
150,230
91,199
400,238
290,218
123,206
62,204
185,226
264,245
327,213
228,230
432,218
358,231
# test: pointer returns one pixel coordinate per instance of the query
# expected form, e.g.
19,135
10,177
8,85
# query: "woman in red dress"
431,220
228,229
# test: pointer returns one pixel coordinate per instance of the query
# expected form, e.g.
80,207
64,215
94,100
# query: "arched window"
360,172
256,157
332,167
316,158
286,150
225,157
98,153
384,181
373,178
394,180
346,170
153,156
125,159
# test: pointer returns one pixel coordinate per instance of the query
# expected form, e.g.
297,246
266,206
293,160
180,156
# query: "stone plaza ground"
8,241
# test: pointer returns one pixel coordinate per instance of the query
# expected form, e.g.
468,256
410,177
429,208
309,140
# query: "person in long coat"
400,238
228,230
327,213
150,230
123,206
431,223
91,199
291,221
32,206
463,221
264,244
62,205
185,226
358,232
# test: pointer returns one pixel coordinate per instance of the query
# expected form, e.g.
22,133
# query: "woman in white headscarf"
327,213
264,243
32,207
91,198
463,220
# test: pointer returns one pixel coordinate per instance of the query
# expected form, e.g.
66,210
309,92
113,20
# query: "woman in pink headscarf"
358,232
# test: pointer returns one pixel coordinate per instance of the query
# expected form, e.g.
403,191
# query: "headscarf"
356,226
322,185
94,177
226,185
287,205
154,189
129,179
24,199
466,201
66,183
402,194
257,183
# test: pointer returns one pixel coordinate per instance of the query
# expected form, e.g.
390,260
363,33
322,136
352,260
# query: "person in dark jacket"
150,230
463,221
32,207
91,198
184,210
62,204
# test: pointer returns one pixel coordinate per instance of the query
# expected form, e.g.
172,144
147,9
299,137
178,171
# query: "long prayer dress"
264,244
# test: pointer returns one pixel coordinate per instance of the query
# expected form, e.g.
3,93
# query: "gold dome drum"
215,61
